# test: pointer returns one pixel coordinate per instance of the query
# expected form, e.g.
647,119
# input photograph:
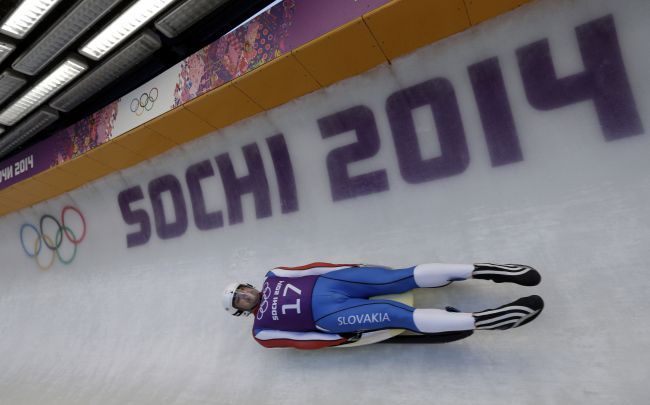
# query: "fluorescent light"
110,70
52,83
82,16
24,131
5,49
184,16
126,24
10,82
26,16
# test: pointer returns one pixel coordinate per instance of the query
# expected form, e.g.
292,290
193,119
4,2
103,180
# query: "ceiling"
61,36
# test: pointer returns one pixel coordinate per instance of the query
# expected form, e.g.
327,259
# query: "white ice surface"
144,325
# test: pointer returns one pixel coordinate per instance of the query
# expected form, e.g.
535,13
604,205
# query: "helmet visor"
245,298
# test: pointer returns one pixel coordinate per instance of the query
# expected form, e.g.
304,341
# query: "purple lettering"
604,79
283,173
133,217
439,95
164,229
361,120
494,108
255,182
204,220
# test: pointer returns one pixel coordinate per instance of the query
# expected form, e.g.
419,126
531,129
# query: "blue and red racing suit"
323,304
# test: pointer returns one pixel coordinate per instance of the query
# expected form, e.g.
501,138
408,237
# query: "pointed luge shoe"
507,273
513,315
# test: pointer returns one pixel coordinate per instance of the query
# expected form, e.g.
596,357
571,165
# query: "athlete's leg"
364,282
359,315
368,315
513,315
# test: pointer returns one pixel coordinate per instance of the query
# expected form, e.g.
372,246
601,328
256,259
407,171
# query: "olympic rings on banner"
145,102
41,238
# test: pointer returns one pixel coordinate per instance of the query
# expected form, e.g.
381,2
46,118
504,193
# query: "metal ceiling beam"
113,68
29,127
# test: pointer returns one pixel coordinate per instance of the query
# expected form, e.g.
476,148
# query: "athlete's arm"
311,269
300,340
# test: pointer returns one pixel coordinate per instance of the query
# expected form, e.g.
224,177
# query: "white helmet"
229,298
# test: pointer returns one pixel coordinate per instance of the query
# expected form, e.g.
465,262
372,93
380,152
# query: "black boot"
507,273
511,315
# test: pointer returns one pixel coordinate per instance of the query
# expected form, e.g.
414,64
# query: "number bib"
286,304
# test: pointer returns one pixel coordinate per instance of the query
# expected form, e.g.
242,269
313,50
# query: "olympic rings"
42,238
266,293
145,102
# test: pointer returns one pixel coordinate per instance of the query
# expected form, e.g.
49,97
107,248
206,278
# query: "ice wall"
524,139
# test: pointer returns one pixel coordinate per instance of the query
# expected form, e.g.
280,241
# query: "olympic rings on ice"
145,102
53,245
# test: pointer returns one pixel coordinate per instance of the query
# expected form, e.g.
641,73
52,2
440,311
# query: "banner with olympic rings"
52,234
285,26
145,102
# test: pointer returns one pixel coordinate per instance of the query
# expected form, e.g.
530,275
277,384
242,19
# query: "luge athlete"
323,304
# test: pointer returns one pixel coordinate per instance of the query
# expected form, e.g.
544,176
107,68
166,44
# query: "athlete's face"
246,298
